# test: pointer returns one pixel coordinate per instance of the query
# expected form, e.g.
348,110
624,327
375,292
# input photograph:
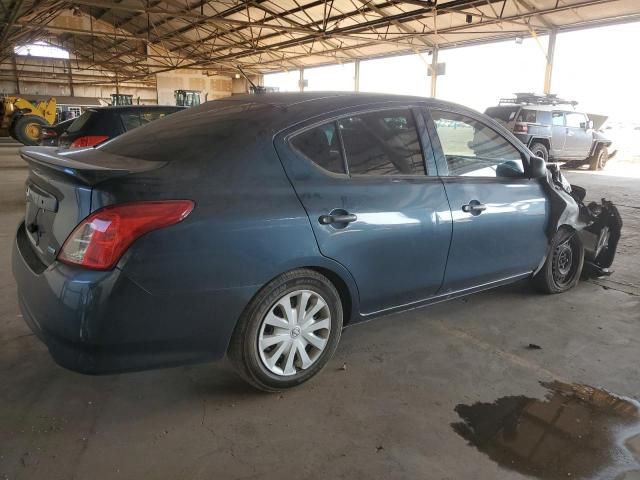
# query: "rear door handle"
474,207
337,219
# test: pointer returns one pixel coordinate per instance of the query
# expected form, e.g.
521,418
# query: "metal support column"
550,54
70,78
15,73
301,81
356,77
434,70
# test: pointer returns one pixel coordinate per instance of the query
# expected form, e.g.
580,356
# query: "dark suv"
554,130
97,125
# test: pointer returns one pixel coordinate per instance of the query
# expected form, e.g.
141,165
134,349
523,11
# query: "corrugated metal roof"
139,37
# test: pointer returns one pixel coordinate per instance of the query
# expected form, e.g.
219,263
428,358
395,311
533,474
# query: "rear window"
137,117
81,121
198,132
527,116
130,120
506,114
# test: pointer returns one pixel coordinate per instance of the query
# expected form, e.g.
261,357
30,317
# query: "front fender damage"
598,225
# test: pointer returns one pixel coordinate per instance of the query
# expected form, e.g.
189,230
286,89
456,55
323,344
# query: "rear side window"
557,119
544,117
472,149
321,145
527,116
382,143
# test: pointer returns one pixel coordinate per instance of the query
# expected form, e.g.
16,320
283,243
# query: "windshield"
506,114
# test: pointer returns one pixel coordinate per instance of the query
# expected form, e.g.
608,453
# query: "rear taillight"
103,237
47,133
520,127
88,141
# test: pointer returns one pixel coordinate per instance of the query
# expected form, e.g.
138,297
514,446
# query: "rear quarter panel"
247,227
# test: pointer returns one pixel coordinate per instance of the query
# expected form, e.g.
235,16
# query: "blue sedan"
260,226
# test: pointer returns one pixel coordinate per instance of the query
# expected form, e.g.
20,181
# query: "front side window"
472,149
321,145
575,120
557,119
382,143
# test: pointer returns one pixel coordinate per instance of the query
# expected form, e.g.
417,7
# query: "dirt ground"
383,407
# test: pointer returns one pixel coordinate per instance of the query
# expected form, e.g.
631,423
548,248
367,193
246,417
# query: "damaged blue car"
260,226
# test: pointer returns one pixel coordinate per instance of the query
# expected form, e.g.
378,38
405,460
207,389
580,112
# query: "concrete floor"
387,415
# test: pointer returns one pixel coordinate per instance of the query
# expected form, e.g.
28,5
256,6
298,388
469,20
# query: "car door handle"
474,207
337,218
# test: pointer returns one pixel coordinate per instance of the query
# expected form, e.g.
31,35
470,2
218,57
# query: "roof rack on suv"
533,99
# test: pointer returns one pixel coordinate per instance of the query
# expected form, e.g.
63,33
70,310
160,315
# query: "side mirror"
537,167
590,124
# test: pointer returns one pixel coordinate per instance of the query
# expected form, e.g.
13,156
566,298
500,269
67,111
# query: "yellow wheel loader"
23,120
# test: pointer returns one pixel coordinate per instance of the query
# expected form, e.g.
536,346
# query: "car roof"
560,107
281,110
292,98
125,108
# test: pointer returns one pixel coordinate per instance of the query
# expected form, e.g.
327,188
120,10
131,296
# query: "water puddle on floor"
577,431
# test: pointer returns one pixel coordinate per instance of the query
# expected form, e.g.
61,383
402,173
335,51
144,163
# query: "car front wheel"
563,266
599,159
288,332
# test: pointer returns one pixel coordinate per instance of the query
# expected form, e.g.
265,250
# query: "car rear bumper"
98,322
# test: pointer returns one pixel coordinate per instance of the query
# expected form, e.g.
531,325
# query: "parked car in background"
50,135
259,226
554,130
97,125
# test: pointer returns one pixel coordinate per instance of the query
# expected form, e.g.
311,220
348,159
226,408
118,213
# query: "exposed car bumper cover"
67,309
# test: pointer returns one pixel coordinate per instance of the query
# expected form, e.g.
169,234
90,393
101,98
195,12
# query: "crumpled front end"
597,224
600,234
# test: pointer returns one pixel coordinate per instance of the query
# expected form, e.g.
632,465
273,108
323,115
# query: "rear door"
499,214
363,181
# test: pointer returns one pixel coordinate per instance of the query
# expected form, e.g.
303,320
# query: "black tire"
243,350
599,158
540,150
27,129
563,266
12,131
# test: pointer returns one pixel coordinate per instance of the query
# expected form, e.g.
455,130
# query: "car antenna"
254,88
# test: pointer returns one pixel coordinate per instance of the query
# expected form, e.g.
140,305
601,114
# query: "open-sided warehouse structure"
149,47
158,233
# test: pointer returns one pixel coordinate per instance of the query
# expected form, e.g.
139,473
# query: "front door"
578,144
499,214
558,135
361,178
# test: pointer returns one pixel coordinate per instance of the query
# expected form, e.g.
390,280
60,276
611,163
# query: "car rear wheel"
288,331
599,159
540,150
563,266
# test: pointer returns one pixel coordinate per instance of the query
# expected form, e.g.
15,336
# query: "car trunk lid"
59,188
